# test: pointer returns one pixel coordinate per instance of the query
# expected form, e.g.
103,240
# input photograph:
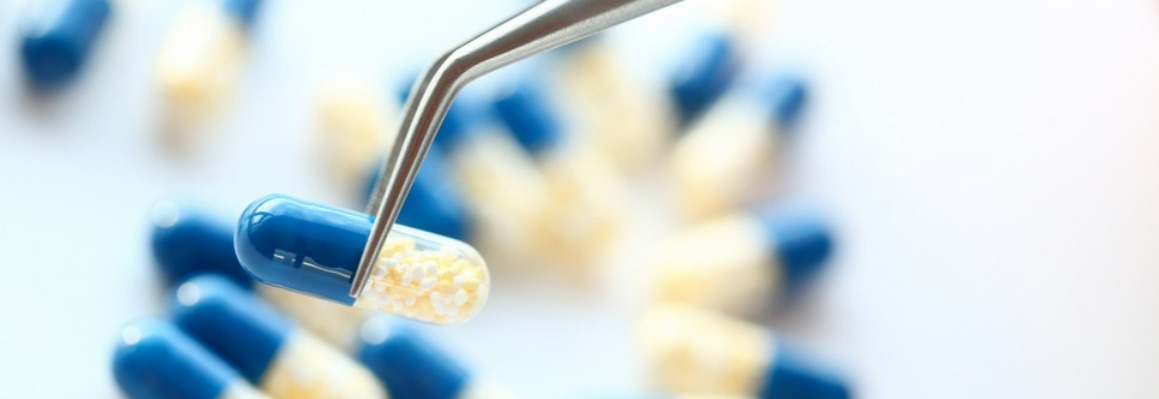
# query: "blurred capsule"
695,351
704,74
268,350
721,162
198,62
354,122
57,37
743,262
188,240
412,368
154,360
584,211
315,249
433,203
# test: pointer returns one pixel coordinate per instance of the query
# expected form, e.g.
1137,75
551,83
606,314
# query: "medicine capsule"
155,360
412,368
281,359
584,211
315,249
695,351
434,203
721,162
705,74
199,60
741,263
188,240
354,122
57,37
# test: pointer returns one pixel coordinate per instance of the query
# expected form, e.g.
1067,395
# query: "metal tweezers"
542,27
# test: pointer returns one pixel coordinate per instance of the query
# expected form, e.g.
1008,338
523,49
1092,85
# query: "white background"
991,165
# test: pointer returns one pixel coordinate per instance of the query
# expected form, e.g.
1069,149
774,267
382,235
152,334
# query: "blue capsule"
705,75
409,366
58,37
187,240
461,120
154,360
434,203
528,114
242,11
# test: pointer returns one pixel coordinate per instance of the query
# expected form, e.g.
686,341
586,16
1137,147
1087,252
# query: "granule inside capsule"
438,286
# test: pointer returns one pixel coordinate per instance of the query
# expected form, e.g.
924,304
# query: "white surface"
990,164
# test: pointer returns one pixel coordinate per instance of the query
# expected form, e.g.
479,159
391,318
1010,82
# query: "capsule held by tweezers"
315,249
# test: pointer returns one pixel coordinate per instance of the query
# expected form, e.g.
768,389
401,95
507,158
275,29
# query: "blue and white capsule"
315,249
695,351
266,348
720,164
58,37
433,203
155,360
744,262
704,74
199,61
411,367
584,211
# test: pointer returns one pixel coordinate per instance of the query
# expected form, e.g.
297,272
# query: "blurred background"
986,167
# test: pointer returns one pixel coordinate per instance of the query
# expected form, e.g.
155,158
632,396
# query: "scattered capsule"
584,211
354,122
188,241
695,351
741,263
412,368
618,112
720,163
155,360
434,203
315,249
704,75
266,348
199,60
58,36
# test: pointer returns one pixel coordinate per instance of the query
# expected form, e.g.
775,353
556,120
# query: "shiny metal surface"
542,27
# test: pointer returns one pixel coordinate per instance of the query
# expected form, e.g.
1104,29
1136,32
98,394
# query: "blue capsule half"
802,242
187,240
58,37
232,323
791,377
242,11
302,246
433,203
527,112
705,75
155,360
408,365
787,95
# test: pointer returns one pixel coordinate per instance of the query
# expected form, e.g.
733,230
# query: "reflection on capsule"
188,240
57,37
269,351
154,360
624,115
704,75
315,249
411,367
433,203
726,154
740,263
698,352
198,61
584,210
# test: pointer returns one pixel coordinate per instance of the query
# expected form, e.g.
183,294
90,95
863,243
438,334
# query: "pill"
411,367
434,203
354,122
744,262
695,351
284,361
315,249
198,62
704,74
725,158
57,38
584,210
155,360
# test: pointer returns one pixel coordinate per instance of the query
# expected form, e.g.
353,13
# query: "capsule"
704,75
315,249
269,351
742,263
187,241
198,62
694,351
721,162
434,203
354,122
155,360
584,211
412,368
57,38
